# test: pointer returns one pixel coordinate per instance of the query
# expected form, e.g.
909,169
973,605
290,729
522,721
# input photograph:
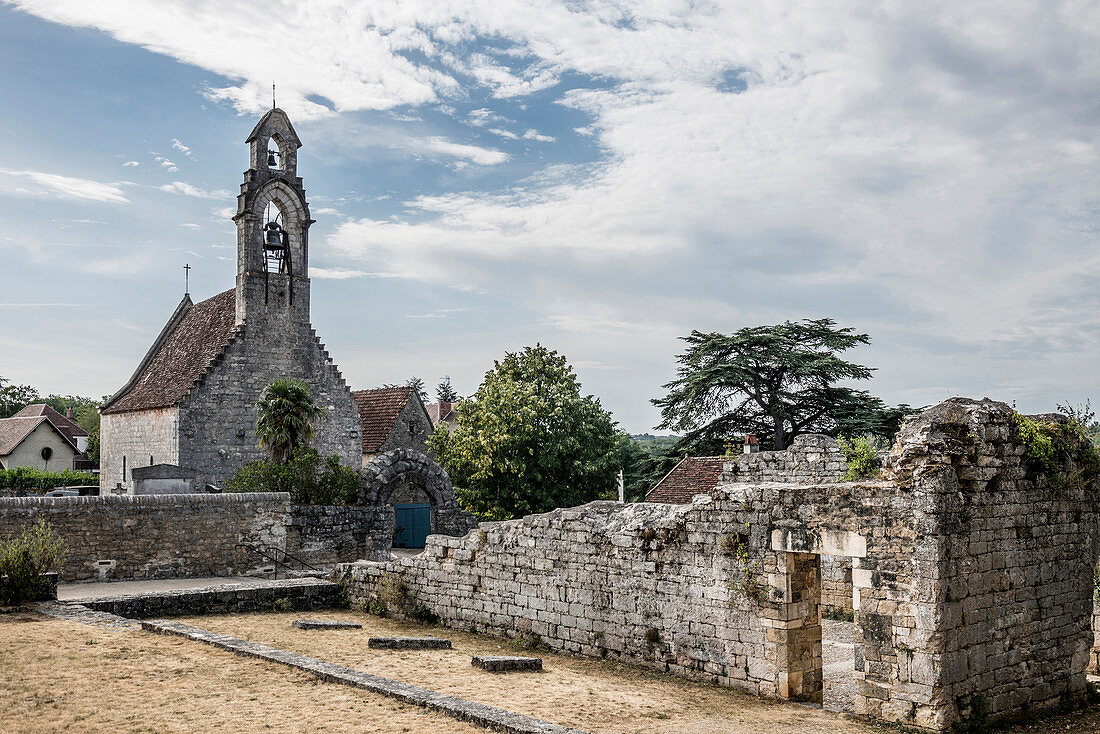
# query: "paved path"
838,658
68,592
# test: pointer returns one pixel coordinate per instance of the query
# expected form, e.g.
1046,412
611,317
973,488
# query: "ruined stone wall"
1013,564
687,588
136,435
812,458
155,536
972,581
218,421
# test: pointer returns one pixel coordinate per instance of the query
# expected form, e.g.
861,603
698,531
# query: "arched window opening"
276,247
274,154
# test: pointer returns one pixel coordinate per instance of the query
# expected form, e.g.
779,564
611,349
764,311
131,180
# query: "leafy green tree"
445,392
285,415
309,478
775,381
528,441
14,398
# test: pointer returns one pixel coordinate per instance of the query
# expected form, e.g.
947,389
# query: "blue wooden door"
414,522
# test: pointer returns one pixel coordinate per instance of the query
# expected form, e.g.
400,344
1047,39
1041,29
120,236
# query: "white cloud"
52,185
472,153
180,187
536,135
131,164
189,225
177,145
439,313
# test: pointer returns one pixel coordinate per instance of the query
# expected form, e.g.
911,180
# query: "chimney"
69,412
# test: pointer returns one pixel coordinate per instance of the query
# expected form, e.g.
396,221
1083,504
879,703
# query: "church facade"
191,401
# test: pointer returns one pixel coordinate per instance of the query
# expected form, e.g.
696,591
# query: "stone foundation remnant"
972,578
505,663
409,643
325,624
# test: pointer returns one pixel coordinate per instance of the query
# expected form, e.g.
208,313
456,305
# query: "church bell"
271,162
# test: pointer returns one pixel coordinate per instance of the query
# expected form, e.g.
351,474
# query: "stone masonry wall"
718,590
401,437
1013,565
218,421
836,584
812,458
136,435
324,535
155,536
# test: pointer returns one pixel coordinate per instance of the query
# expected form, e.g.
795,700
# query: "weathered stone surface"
409,643
505,663
325,624
479,714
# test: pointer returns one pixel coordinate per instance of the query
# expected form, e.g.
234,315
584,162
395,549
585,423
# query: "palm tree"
284,417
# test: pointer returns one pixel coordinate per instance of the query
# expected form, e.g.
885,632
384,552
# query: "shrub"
309,479
24,558
861,457
1061,451
30,478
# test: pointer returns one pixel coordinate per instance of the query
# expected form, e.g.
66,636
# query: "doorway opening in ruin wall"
823,639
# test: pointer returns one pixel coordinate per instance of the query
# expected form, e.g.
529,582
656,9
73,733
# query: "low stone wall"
324,535
155,536
812,458
286,595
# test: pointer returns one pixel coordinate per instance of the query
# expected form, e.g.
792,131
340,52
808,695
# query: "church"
191,401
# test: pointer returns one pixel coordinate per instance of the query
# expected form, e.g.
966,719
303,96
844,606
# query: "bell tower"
273,227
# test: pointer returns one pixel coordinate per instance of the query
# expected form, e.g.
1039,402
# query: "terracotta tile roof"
694,475
189,343
64,426
379,409
14,430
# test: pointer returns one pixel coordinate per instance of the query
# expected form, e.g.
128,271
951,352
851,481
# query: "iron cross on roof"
186,280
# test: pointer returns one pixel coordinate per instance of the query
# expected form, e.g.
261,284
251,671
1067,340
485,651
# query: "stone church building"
191,401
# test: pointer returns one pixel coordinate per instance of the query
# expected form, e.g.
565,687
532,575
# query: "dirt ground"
57,675
592,695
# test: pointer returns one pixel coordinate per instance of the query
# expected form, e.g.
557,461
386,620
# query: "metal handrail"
263,551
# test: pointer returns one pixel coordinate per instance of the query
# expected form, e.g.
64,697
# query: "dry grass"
594,695
63,676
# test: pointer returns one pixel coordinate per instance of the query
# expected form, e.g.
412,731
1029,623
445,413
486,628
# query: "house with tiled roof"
41,437
191,402
393,418
443,412
693,475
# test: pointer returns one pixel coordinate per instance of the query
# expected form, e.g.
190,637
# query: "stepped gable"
64,426
379,410
193,338
693,475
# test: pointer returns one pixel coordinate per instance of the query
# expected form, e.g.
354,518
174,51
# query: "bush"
1061,451
24,558
31,479
862,459
309,479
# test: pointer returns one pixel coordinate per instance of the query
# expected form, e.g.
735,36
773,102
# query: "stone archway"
403,476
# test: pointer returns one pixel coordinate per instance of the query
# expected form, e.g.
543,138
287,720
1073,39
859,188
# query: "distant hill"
654,444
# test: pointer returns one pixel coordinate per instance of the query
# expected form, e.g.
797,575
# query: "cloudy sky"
599,177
